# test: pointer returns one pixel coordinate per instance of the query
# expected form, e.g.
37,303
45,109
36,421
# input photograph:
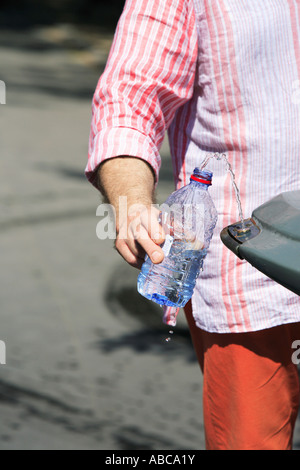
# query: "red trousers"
250,387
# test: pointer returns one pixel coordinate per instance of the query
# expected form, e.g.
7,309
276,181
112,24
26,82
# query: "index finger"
150,221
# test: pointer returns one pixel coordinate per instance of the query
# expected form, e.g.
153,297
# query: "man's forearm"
126,176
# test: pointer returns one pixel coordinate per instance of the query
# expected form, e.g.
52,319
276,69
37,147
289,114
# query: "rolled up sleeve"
150,73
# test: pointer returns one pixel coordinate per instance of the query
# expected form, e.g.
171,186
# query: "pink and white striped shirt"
220,76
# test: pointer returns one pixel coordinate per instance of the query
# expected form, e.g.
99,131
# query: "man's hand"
140,233
138,229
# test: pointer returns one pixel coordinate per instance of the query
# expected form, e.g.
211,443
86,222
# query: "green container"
271,239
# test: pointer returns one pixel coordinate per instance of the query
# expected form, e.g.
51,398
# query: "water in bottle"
188,218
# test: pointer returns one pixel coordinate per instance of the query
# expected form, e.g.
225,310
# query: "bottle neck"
201,178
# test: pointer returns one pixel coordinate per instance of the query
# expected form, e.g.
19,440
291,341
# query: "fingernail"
157,236
156,256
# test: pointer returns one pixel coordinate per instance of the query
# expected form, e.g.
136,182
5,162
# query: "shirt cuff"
121,141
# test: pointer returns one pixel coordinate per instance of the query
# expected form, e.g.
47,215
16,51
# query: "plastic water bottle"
188,218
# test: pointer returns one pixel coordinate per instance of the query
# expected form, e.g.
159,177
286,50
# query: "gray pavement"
88,366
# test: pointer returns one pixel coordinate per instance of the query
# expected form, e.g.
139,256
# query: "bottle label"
167,245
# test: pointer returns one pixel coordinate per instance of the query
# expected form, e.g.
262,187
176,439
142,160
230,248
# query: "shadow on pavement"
149,333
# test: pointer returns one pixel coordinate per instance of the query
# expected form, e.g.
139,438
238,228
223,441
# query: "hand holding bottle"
138,229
